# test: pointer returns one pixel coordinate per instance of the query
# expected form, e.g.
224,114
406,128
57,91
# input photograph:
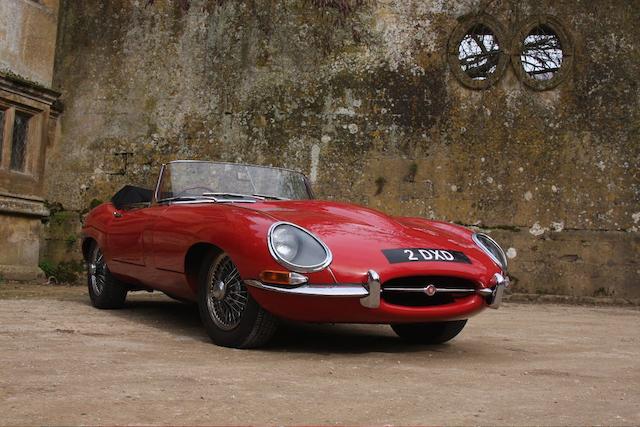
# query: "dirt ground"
63,362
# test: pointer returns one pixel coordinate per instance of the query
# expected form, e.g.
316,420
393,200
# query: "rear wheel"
105,290
230,315
429,333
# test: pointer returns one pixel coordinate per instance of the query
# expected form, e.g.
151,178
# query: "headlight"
493,249
297,249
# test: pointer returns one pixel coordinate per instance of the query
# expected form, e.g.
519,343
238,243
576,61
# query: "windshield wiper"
218,196
184,198
235,195
267,196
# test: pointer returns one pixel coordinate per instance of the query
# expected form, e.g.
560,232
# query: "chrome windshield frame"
156,199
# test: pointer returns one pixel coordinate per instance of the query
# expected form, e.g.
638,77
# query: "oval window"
542,55
476,52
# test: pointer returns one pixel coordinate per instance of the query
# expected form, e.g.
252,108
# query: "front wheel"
105,290
429,333
230,315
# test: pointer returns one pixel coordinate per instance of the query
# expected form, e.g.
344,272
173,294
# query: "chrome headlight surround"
488,246
302,236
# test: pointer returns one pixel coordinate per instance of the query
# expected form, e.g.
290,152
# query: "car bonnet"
357,236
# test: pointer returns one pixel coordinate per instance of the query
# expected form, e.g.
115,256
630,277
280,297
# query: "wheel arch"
193,261
88,243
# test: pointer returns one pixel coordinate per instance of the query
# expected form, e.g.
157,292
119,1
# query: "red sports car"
251,246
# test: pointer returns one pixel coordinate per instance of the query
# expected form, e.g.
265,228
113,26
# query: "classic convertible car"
251,246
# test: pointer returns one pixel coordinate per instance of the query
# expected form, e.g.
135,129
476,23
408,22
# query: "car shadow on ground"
184,320
342,338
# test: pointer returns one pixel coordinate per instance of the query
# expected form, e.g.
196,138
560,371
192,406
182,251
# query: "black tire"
105,291
429,333
230,315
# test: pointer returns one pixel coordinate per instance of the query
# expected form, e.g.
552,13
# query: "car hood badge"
430,290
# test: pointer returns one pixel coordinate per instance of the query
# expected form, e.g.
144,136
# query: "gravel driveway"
63,362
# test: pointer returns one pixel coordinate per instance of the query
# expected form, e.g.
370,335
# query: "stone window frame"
566,43
34,137
40,103
28,181
465,24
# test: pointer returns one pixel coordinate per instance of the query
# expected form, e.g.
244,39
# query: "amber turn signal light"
282,277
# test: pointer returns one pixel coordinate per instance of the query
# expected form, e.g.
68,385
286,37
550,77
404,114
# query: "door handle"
117,214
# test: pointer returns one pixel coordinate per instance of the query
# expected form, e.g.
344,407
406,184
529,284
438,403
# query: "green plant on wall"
95,203
47,268
63,272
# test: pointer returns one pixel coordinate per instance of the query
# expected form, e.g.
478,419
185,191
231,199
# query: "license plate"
395,256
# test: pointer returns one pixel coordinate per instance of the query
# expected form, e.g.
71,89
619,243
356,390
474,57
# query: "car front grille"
410,291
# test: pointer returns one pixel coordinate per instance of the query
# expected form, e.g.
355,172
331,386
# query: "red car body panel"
148,247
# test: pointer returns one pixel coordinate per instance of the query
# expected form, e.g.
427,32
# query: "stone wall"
27,126
28,38
21,242
364,100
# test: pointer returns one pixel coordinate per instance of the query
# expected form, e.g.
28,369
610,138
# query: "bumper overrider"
369,292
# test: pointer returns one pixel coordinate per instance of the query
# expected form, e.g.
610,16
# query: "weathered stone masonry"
28,119
367,104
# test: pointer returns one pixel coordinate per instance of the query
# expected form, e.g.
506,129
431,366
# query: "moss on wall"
266,82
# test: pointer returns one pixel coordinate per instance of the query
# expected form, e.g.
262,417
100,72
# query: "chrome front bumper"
369,293
495,293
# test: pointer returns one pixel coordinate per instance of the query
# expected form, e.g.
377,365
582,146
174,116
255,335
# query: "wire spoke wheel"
105,290
230,315
97,273
226,295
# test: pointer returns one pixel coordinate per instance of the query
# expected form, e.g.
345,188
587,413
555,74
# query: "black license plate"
424,255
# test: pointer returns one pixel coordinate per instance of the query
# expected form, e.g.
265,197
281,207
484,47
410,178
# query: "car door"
125,235
176,232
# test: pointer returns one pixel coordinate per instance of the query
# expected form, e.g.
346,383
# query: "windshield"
196,179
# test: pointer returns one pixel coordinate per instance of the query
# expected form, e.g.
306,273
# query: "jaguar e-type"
251,246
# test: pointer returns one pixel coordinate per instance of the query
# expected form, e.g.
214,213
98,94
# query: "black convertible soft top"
129,195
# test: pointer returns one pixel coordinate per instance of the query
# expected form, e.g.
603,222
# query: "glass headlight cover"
491,248
297,249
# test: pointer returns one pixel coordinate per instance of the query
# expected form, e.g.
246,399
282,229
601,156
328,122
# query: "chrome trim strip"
346,290
247,196
212,200
295,267
501,283
475,239
154,200
496,298
493,295
372,300
499,278
369,293
297,278
422,290
485,292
